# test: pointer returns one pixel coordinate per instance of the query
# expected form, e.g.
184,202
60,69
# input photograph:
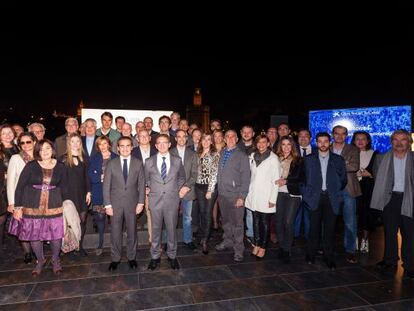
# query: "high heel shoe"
39,267
57,267
255,250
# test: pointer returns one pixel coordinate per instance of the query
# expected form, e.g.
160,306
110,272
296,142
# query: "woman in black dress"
78,182
366,215
7,149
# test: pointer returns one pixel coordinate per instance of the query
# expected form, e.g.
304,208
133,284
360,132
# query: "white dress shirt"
181,153
308,150
128,162
167,161
145,154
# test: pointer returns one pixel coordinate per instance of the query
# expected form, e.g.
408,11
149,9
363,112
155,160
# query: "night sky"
244,76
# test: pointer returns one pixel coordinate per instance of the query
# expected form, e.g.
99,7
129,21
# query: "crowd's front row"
263,182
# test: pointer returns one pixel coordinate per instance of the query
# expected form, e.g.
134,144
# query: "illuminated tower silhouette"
197,112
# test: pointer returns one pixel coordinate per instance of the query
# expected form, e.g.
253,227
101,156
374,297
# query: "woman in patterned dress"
39,195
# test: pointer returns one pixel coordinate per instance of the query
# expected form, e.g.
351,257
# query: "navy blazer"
136,152
336,181
85,150
95,173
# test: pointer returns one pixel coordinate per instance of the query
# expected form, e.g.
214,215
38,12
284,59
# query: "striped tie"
163,169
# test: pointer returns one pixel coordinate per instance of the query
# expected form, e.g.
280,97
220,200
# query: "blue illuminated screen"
379,122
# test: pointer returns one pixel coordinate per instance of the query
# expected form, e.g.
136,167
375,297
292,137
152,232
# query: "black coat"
27,196
296,178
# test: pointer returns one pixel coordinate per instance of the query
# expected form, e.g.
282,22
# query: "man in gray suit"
350,153
165,179
124,194
189,160
233,185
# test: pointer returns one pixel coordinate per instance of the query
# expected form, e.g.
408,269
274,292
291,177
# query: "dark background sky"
247,71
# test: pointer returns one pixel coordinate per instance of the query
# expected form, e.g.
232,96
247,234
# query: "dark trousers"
116,232
205,208
100,219
261,228
233,224
393,220
286,209
322,216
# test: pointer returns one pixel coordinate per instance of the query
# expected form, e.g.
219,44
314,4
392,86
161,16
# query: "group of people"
265,187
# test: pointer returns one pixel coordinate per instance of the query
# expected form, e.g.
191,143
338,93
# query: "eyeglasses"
28,142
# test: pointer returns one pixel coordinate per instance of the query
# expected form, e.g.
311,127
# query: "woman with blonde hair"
78,182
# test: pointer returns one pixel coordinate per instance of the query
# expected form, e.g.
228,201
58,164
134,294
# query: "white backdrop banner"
131,116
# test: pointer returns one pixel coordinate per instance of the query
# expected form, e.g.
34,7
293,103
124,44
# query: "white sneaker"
364,246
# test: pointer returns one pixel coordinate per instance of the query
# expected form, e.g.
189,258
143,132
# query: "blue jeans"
302,215
350,222
249,223
187,206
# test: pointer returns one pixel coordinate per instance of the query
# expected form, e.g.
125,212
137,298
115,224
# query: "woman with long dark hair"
262,196
366,216
205,187
292,176
96,169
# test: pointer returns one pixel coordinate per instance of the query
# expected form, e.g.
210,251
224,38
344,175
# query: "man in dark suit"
89,140
124,194
190,162
325,179
165,180
302,215
164,122
142,152
149,123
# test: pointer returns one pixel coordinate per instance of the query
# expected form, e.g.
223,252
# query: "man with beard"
325,179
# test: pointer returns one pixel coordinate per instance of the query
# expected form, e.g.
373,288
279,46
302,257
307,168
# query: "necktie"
125,170
304,152
163,169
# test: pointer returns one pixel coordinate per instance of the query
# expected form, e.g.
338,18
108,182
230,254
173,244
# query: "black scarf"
260,157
